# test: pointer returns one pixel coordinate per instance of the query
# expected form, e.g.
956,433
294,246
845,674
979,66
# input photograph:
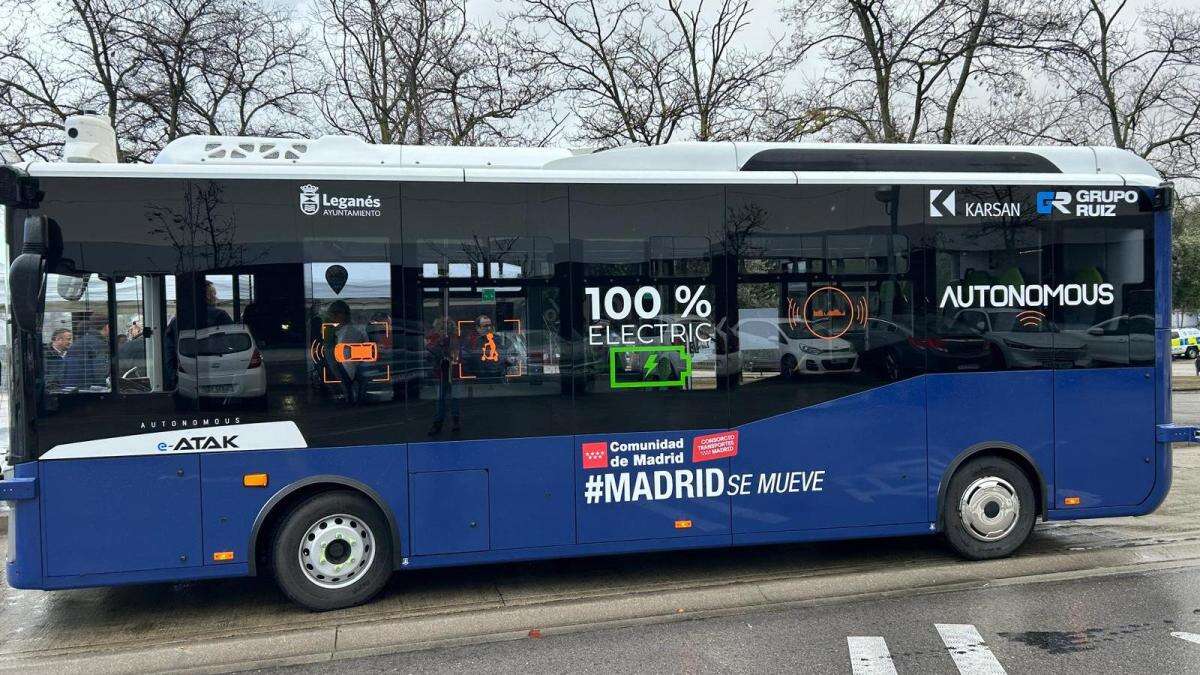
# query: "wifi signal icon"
1030,318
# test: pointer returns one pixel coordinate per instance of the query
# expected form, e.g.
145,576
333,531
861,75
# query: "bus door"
489,404
1104,406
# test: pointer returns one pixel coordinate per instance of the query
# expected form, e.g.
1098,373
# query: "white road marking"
1190,637
870,656
965,644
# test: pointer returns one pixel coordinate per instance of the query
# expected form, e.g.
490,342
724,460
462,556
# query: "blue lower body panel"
869,464
1104,456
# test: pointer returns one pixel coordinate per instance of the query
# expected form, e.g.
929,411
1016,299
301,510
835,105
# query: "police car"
1185,342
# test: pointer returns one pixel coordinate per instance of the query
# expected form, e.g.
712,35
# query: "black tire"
788,365
974,476
1191,353
294,581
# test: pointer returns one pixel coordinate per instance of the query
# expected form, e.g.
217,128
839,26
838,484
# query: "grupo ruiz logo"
1034,295
1096,203
313,201
201,443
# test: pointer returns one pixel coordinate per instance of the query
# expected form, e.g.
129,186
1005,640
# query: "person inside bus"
344,331
87,358
213,315
209,315
131,352
56,358
444,350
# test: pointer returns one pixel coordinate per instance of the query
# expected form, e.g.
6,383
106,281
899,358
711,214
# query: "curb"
401,633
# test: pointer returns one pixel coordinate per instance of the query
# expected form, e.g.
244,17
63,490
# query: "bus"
325,361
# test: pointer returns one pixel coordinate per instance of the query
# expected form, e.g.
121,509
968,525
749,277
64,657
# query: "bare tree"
417,71
904,71
37,89
173,39
617,67
252,82
102,44
492,90
724,79
1131,81
380,58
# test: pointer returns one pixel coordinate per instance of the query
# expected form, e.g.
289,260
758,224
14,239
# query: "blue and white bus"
326,361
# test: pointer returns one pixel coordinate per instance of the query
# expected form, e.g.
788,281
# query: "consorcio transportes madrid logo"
313,201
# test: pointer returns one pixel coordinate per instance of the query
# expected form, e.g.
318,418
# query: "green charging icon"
649,367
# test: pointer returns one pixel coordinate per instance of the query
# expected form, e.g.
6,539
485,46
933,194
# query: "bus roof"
347,158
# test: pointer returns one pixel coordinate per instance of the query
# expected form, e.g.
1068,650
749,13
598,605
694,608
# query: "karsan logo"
1094,203
313,201
201,443
944,203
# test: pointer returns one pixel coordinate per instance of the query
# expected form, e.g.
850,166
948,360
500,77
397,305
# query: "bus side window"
75,347
81,337
145,310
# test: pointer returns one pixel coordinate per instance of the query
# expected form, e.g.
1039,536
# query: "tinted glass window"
1105,263
992,276
647,351
483,348
823,303
105,364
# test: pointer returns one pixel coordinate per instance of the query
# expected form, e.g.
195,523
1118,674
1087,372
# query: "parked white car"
771,345
1121,341
220,362
1023,340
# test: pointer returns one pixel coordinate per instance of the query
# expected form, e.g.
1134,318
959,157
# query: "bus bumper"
13,489
19,489
1173,433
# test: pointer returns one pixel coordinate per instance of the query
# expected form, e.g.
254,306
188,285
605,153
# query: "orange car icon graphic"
356,352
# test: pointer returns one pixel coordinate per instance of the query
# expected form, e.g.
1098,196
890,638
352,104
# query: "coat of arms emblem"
310,200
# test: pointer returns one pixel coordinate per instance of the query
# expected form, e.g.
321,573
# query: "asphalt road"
1138,623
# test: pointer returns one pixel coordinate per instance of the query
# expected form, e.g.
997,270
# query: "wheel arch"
1009,451
282,501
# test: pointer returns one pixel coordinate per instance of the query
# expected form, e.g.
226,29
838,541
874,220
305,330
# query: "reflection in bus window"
351,352
485,352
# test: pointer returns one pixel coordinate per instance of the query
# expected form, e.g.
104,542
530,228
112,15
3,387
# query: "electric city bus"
325,361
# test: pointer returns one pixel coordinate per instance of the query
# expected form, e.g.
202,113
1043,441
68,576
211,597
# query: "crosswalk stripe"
965,644
870,656
1190,637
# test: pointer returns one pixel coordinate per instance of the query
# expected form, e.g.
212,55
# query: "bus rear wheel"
333,550
989,509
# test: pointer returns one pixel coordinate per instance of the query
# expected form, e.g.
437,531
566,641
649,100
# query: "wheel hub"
989,508
336,550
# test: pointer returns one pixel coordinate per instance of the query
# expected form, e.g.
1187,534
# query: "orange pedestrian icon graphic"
490,353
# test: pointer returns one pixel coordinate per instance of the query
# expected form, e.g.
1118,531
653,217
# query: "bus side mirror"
27,274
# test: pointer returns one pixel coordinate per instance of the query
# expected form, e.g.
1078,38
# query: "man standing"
56,358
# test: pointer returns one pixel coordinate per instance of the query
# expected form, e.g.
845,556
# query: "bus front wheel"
333,550
989,509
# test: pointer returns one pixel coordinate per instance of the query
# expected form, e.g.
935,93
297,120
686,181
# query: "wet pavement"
423,605
1139,623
